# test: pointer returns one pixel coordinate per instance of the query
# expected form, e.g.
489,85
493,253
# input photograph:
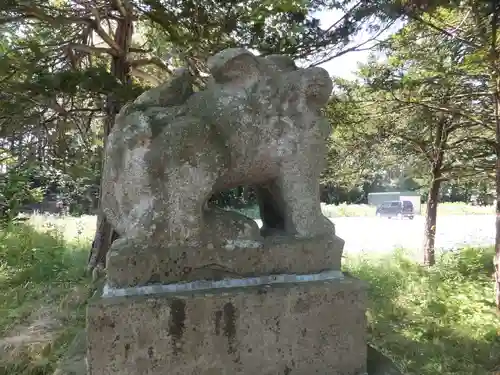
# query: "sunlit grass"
354,210
430,321
76,230
444,209
43,291
81,229
439,320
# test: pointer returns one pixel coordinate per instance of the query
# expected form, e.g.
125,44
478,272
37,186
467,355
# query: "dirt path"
28,347
74,362
40,329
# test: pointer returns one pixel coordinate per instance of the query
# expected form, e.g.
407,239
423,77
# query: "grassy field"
443,209
352,210
43,291
429,321
82,228
434,321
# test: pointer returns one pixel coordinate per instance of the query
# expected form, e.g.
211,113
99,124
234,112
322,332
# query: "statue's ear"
234,65
284,63
317,87
173,92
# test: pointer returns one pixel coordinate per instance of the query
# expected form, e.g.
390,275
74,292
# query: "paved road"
371,234
380,234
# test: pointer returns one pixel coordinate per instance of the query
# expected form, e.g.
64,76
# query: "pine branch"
145,76
92,50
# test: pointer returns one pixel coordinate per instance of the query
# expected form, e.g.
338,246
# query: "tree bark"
496,260
495,80
430,222
120,68
437,157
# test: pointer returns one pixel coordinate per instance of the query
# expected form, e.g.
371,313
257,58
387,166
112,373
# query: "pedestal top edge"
203,285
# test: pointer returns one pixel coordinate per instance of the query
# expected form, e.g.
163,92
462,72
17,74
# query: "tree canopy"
423,113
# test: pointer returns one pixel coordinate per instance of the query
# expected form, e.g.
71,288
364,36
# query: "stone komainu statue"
257,123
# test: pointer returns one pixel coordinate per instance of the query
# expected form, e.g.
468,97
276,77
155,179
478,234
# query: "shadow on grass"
43,293
438,320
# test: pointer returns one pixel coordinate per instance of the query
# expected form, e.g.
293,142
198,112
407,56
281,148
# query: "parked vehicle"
397,209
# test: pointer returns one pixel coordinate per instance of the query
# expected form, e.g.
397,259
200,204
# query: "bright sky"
345,65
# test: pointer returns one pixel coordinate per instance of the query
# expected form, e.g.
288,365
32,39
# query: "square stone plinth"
293,329
136,265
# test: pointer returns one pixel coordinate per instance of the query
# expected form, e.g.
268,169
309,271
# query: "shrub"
16,189
438,320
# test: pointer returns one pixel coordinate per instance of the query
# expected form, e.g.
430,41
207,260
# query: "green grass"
356,210
430,321
81,229
434,321
43,290
444,209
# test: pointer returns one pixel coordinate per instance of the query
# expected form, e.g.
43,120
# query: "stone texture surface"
257,123
134,265
297,329
378,364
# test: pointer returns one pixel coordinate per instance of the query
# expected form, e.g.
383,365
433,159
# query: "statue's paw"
321,227
325,226
231,229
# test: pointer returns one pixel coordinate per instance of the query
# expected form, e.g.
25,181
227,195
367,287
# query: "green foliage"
79,193
437,320
29,256
421,114
48,111
92,80
357,149
16,189
56,81
43,282
200,28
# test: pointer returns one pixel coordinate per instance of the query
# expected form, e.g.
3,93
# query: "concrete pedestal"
291,328
136,265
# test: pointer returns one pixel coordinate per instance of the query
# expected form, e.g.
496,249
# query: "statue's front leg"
299,185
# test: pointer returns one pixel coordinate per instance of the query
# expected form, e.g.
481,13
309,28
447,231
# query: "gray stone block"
300,329
135,265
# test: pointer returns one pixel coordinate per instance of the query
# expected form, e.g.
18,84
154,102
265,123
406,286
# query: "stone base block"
136,264
292,329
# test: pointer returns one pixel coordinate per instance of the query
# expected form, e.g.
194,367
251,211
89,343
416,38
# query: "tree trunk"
495,80
496,260
436,156
430,222
105,234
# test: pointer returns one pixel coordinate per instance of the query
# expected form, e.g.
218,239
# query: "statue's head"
238,67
